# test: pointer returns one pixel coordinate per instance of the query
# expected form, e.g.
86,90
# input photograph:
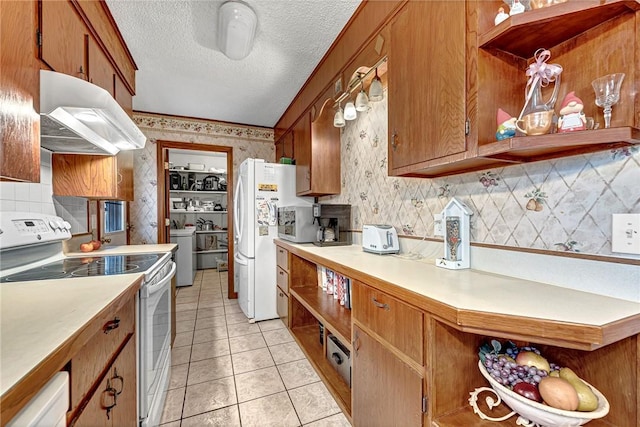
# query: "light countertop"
128,249
477,291
38,317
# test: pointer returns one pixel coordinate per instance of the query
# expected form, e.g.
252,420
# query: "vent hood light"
80,117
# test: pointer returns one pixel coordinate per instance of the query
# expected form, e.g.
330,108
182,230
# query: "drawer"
89,362
282,280
396,322
282,306
282,257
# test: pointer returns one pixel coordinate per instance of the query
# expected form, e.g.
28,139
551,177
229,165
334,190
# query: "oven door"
154,340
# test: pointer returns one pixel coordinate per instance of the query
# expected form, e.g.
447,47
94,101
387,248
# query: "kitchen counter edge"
549,330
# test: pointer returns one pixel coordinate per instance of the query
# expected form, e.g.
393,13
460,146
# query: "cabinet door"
124,175
63,38
123,96
302,148
386,391
284,146
114,402
19,89
427,84
282,306
123,374
100,70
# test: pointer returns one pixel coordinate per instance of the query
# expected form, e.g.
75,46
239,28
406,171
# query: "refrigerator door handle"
238,215
240,260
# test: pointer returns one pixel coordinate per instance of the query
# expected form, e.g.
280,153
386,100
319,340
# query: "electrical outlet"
625,233
438,229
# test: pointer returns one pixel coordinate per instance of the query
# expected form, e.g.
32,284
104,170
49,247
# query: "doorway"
199,179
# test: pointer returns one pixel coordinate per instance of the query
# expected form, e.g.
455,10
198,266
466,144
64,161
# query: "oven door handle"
147,291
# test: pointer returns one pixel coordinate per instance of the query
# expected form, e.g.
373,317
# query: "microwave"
295,224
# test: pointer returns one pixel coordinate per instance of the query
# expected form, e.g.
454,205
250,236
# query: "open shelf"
194,171
308,339
327,310
548,26
197,192
212,231
527,148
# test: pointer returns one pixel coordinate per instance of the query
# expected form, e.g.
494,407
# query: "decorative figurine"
506,125
455,216
571,116
501,16
518,6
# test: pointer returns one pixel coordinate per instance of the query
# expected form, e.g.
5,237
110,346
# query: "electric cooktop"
86,267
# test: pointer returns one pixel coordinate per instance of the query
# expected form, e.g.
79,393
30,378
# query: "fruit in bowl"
550,397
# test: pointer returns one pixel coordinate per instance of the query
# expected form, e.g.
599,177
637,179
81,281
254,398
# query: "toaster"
380,239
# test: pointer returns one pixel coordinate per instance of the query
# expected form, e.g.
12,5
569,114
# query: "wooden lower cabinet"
282,305
386,391
114,401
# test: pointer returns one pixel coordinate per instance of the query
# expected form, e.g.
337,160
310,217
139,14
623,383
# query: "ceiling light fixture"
375,90
362,101
237,24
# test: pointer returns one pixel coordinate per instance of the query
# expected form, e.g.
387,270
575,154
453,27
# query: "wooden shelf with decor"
496,59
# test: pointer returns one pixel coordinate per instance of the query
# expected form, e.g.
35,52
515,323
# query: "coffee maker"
333,224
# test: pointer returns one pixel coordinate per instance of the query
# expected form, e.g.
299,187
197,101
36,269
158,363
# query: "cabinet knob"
394,140
105,240
108,393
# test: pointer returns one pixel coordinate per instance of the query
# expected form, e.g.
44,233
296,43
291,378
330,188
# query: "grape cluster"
505,371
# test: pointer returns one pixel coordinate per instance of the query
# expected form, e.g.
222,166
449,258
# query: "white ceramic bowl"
545,415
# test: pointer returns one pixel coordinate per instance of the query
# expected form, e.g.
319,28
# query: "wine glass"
607,91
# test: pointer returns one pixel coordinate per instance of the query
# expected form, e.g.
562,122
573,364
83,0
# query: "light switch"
438,229
625,233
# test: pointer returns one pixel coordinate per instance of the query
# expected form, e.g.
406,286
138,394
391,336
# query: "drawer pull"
379,304
110,392
281,273
118,378
281,294
111,325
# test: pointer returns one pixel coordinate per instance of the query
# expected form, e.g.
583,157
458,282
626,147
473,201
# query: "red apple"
86,247
96,244
528,390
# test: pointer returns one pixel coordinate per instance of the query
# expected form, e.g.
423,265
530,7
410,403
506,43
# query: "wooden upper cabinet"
19,91
63,38
94,177
302,148
123,96
284,146
100,70
317,149
427,84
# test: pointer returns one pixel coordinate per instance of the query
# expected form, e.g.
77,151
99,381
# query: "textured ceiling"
182,72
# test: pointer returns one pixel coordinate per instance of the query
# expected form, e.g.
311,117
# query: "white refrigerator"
261,188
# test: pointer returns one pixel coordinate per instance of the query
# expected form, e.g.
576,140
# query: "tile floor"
228,372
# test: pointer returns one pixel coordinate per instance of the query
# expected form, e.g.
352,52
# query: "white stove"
31,249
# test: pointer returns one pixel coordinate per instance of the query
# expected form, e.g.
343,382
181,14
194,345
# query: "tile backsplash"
38,197
558,205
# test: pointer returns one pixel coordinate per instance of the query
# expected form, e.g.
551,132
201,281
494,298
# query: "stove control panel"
26,228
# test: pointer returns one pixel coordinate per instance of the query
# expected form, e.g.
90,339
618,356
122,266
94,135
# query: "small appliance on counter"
295,224
380,239
333,223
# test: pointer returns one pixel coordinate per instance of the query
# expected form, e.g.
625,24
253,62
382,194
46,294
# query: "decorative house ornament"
456,235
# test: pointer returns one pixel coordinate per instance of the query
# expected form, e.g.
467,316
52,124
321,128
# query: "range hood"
79,117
